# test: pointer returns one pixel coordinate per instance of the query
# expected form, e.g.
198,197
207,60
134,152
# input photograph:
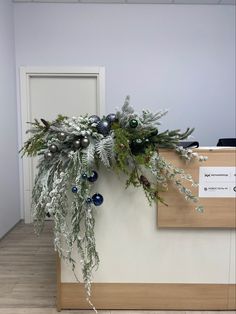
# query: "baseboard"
1,238
144,296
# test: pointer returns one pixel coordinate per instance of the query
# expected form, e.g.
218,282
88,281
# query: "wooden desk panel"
218,212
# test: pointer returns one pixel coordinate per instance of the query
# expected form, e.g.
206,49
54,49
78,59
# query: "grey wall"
9,179
180,57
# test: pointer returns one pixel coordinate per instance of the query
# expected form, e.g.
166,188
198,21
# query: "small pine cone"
46,124
144,181
156,194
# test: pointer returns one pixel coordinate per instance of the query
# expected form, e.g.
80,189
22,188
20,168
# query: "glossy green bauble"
133,123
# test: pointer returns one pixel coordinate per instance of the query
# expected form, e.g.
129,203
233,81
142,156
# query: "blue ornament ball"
111,117
93,176
97,199
74,189
104,127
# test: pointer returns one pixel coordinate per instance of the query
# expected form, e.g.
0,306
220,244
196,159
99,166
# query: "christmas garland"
71,150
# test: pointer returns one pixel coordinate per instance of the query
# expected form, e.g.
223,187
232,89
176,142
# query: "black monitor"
227,142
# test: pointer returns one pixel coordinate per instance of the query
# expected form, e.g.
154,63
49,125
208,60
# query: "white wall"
9,179
179,57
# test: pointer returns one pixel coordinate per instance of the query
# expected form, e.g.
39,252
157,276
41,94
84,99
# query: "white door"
47,92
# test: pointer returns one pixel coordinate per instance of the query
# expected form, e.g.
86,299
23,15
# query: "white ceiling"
226,2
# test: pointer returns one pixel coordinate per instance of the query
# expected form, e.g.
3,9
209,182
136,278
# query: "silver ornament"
94,119
53,148
48,155
61,136
76,144
85,142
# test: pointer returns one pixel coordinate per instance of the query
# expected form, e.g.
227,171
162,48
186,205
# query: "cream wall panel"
132,249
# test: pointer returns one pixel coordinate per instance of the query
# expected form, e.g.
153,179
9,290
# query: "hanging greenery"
71,150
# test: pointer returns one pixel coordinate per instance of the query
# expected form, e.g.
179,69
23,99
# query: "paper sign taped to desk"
217,182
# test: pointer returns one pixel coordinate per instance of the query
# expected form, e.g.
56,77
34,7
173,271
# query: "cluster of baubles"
138,145
103,126
80,142
96,199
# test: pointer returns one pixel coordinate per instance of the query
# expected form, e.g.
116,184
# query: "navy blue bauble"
93,176
94,119
89,200
111,117
97,199
104,127
84,176
74,189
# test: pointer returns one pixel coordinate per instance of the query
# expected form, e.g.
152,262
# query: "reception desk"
167,258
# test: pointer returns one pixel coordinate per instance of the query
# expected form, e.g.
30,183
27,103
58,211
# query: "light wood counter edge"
58,274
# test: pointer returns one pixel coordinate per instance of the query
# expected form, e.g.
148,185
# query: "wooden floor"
27,268
28,276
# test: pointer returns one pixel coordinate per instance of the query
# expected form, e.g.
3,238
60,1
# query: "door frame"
26,73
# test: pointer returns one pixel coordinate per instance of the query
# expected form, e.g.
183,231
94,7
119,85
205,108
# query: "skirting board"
144,296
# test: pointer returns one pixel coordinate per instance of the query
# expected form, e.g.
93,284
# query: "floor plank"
27,270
